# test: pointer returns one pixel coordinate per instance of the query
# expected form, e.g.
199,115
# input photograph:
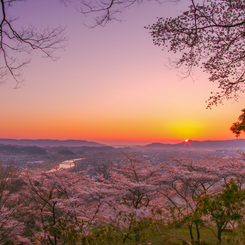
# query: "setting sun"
98,92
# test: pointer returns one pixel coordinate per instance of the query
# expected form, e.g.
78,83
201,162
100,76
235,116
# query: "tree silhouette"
239,126
107,10
15,42
209,35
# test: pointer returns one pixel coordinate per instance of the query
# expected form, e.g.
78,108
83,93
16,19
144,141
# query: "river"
67,164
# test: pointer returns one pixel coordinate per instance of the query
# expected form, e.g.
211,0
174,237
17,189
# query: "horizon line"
119,142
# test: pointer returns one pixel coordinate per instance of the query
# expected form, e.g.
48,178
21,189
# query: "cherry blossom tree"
210,35
138,182
10,227
187,181
49,197
136,186
230,168
223,208
62,207
190,181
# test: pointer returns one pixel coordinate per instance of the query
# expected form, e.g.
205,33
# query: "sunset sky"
110,85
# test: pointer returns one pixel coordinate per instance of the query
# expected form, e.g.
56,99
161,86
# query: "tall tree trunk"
198,233
137,235
219,234
191,233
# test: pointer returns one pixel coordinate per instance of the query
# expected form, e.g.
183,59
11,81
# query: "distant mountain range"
208,144
49,143
30,150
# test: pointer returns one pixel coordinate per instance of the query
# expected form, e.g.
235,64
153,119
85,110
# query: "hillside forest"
186,201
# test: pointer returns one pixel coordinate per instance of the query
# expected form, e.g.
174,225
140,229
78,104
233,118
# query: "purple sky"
110,85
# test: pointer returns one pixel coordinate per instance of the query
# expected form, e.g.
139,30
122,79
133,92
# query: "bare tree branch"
14,42
209,35
108,10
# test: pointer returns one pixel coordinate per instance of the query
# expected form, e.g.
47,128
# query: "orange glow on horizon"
111,129
101,93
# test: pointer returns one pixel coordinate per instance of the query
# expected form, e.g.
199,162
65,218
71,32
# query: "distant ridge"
208,144
50,143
